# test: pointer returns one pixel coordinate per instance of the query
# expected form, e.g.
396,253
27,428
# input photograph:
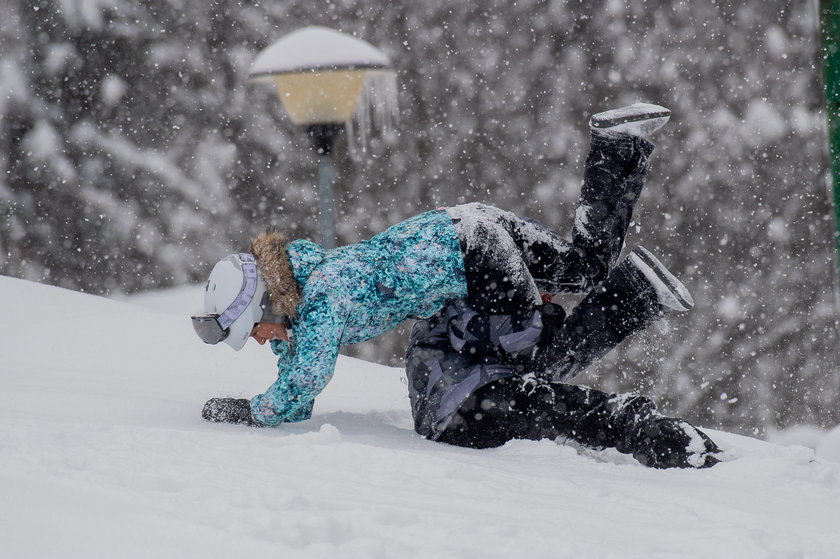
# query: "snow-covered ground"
103,454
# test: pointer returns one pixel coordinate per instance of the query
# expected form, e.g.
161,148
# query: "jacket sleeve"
305,369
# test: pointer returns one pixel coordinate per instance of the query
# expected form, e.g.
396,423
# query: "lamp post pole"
323,138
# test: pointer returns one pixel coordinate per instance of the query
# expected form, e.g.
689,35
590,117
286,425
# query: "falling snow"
134,152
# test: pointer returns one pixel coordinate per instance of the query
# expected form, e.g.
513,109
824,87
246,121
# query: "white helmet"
232,301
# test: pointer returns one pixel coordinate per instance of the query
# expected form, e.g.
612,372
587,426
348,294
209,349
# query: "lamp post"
324,79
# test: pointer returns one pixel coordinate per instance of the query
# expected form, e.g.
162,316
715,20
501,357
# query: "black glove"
229,410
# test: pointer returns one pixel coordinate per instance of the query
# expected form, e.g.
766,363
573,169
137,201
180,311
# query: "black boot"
658,441
639,291
670,291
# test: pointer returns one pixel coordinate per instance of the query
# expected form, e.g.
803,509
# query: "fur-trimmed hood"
271,251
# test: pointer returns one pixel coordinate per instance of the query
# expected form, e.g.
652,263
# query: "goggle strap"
246,292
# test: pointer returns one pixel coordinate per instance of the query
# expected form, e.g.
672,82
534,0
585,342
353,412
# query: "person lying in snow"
476,265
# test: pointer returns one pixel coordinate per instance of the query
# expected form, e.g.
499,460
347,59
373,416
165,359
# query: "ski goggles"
214,328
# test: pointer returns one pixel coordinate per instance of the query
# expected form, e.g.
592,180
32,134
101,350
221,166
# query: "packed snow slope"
103,453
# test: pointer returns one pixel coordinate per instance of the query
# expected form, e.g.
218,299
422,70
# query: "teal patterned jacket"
354,293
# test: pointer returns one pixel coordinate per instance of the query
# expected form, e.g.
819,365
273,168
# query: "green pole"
830,30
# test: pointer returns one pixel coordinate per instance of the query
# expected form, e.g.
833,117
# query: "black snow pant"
482,380
510,260
509,409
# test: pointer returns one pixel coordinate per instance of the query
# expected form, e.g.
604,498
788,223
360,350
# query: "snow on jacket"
348,295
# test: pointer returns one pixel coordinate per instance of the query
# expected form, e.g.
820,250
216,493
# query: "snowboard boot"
670,291
638,119
658,441
639,291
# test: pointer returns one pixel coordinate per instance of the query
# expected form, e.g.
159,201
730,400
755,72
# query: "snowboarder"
480,379
308,302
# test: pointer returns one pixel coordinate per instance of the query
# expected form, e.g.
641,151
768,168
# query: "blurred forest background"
134,154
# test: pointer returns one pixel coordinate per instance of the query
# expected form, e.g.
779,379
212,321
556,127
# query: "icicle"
378,111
